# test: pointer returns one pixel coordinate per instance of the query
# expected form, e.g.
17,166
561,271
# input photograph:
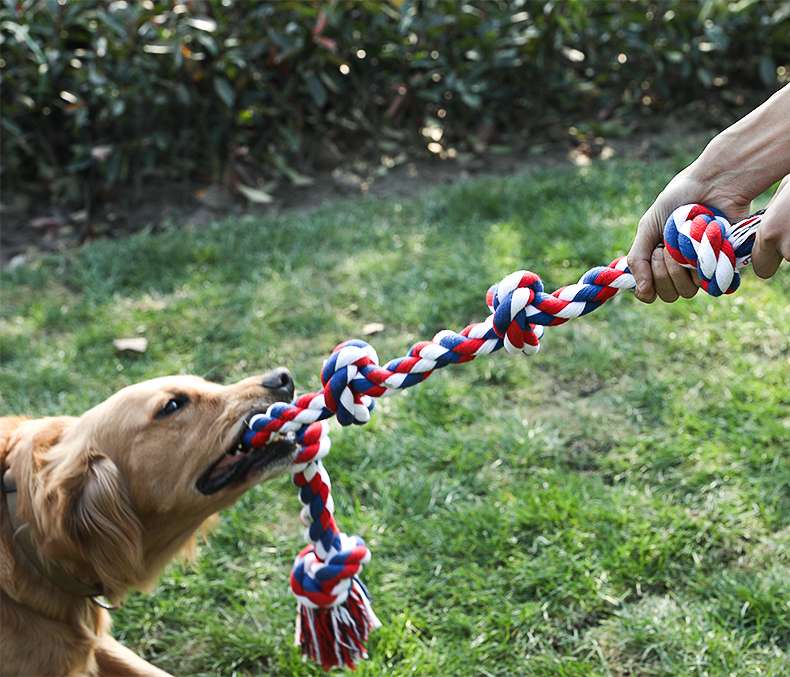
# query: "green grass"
616,505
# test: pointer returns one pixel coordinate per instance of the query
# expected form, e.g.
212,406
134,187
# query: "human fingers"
663,282
783,184
681,277
772,243
695,278
639,256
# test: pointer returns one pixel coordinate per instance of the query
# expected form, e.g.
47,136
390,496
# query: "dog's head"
124,486
178,439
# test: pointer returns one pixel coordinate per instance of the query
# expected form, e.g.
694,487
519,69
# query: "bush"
100,94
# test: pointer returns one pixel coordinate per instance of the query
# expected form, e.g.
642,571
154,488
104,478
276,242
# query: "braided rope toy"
334,612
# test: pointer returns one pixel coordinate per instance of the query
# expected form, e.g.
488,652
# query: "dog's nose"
280,382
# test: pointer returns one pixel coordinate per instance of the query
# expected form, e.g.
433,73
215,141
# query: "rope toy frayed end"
334,614
337,636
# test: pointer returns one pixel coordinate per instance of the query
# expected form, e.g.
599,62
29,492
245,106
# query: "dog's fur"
110,496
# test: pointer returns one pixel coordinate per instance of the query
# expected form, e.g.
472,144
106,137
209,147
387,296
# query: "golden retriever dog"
98,504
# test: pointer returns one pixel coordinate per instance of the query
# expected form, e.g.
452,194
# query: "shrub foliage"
97,94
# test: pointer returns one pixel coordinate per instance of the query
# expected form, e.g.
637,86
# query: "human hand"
772,243
655,271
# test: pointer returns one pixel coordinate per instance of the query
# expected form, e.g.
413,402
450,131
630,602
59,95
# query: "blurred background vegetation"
103,96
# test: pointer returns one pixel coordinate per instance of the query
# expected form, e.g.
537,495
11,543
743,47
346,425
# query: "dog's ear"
103,523
90,516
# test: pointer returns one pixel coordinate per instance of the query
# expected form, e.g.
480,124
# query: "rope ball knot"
348,362
700,238
510,303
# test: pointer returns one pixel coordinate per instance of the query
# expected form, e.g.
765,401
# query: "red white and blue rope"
335,615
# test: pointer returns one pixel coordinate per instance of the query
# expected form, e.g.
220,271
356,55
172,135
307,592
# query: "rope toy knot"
699,238
511,302
335,617
349,361
322,584
334,613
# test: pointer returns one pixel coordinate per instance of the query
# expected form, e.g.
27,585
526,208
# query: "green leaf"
704,76
316,89
203,23
767,70
224,91
470,99
112,23
22,34
294,177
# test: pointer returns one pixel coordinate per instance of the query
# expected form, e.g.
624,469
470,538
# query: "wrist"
746,158
707,170
717,172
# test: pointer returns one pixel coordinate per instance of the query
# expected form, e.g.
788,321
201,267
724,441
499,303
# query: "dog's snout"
280,382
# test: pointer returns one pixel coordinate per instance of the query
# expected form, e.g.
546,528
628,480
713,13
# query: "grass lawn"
616,505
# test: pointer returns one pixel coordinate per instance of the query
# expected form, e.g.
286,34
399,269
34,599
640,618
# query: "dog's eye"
173,406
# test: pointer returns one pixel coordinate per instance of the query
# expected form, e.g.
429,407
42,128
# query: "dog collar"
51,571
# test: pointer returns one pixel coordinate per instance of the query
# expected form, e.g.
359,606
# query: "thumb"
773,236
647,237
765,257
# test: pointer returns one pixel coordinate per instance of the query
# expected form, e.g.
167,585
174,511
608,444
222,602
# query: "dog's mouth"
240,461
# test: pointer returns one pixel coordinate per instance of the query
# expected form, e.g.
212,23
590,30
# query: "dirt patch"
26,231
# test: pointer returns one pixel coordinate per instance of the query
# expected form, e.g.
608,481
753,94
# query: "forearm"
746,158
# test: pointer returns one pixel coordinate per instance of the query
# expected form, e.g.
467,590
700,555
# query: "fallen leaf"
101,153
346,180
42,222
17,261
372,328
255,194
579,158
137,344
